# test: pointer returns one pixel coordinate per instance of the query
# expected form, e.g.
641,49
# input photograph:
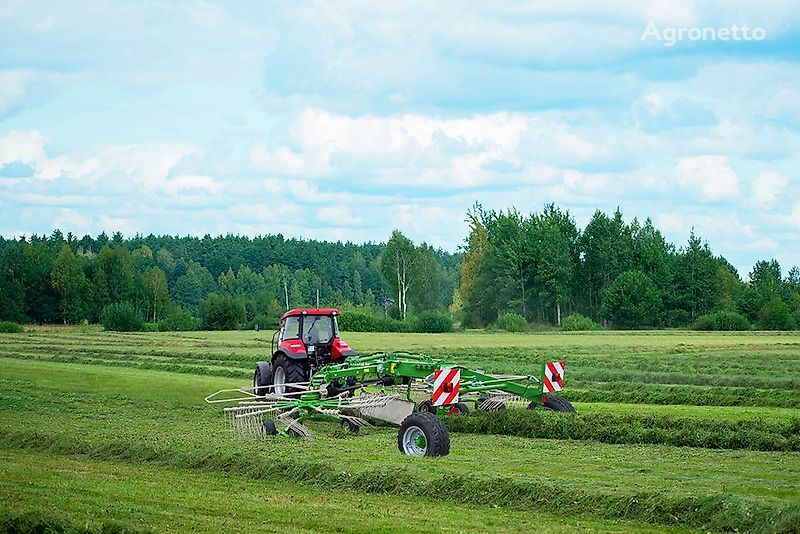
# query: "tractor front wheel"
423,434
558,404
287,371
262,377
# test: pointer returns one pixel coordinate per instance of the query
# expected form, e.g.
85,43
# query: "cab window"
291,328
318,329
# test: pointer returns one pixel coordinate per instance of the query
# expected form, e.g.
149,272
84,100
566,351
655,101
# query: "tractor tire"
423,434
262,376
287,371
458,408
426,406
269,428
558,404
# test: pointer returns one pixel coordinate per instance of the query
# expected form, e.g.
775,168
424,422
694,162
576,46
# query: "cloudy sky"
346,120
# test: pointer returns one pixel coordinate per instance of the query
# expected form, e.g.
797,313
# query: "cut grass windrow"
50,523
753,434
155,366
718,512
632,393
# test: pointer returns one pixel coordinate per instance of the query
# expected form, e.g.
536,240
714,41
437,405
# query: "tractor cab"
312,333
307,339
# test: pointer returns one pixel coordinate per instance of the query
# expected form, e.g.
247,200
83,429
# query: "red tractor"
308,338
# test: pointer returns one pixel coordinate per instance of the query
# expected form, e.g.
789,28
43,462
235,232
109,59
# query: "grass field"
676,431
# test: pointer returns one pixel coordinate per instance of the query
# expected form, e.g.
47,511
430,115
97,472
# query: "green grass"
100,410
79,492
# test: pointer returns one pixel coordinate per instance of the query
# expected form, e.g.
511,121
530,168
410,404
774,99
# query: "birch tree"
399,264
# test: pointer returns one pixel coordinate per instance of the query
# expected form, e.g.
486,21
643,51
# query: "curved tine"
210,399
256,413
288,414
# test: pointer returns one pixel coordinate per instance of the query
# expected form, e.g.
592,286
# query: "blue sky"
346,120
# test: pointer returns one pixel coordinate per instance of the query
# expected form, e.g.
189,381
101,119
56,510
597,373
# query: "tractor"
308,338
313,374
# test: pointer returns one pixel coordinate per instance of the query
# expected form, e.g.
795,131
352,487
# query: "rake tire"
458,408
423,434
269,428
558,404
426,406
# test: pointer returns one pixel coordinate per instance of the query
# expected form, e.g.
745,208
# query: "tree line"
222,281
623,274
513,269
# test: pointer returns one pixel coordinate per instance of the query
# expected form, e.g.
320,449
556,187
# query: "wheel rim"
414,442
256,380
278,380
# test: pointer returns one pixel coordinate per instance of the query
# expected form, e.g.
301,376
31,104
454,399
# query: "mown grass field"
676,431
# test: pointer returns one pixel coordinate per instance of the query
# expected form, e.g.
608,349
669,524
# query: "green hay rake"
387,386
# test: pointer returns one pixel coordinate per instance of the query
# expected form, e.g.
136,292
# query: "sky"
345,120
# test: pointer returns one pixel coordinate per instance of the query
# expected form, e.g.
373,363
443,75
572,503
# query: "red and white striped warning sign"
553,376
445,386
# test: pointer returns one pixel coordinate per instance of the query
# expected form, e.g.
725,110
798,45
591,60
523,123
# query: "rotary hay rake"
386,387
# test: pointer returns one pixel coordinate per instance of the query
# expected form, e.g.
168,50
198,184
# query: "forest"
513,271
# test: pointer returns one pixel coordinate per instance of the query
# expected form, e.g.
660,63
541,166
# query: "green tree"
154,282
222,312
696,278
71,285
632,301
766,279
776,316
12,293
193,287
399,264
115,270
477,246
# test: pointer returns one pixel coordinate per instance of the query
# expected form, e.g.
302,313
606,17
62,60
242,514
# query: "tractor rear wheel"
287,371
262,376
558,404
423,434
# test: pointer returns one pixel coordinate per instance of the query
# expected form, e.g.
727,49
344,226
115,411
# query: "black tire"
292,371
293,433
426,406
262,376
423,434
349,426
558,404
533,405
269,428
458,408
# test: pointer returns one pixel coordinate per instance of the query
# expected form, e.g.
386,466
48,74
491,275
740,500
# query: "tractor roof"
310,311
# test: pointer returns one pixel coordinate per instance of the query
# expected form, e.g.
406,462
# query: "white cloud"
25,147
337,216
711,176
767,188
70,220
46,24
12,87
189,182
